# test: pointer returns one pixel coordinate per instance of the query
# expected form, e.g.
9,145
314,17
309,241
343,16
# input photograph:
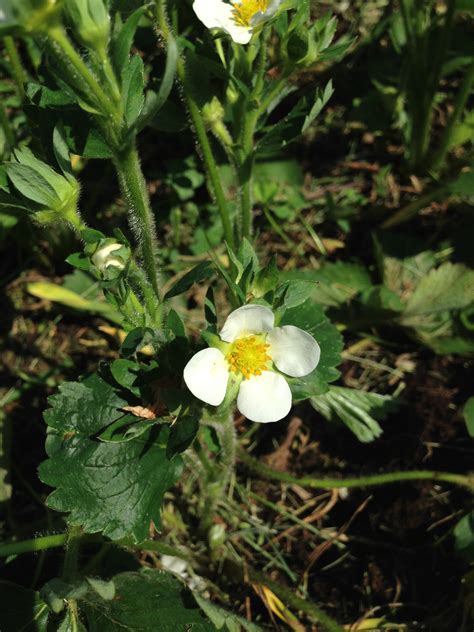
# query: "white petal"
218,14
293,350
174,565
211,12
206,375
264,398
247,320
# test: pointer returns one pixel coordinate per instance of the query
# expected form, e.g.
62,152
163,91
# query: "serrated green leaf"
112,487
449,287
358,410
402,262
146,602
468,412
199,273
311,318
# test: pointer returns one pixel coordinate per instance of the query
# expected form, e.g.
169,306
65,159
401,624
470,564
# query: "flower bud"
91,23
110,258
47,194
213,114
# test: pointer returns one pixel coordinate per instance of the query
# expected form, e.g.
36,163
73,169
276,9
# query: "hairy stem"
217,480
210,163
133,186
72,553
18,72
7,130
58,37
364,481
35,544
251,117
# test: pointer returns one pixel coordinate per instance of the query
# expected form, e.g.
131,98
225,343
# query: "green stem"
72,553
247,142
133,186
215,486
7,130
411,210
200,131
60,41
18,72
364,481
33,545
459,105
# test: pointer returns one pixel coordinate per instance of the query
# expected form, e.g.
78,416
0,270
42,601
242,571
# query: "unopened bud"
91,23
110,258
213,114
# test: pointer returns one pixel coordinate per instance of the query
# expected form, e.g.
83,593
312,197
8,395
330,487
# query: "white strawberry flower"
238,18
258,356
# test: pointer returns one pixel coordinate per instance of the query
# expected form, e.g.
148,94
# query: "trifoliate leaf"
402,262
114,487
358,410
449,287
312,319
145,602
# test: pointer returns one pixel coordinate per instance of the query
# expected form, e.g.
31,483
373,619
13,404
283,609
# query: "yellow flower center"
248,356
244,11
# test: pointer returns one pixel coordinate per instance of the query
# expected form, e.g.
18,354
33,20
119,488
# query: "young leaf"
358,410
114,487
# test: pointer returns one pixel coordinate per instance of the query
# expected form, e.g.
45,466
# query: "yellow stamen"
245,10
248,356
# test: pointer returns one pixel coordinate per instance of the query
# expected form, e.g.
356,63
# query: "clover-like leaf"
311,318
114,487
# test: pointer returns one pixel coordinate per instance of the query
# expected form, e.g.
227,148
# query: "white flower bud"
103,258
